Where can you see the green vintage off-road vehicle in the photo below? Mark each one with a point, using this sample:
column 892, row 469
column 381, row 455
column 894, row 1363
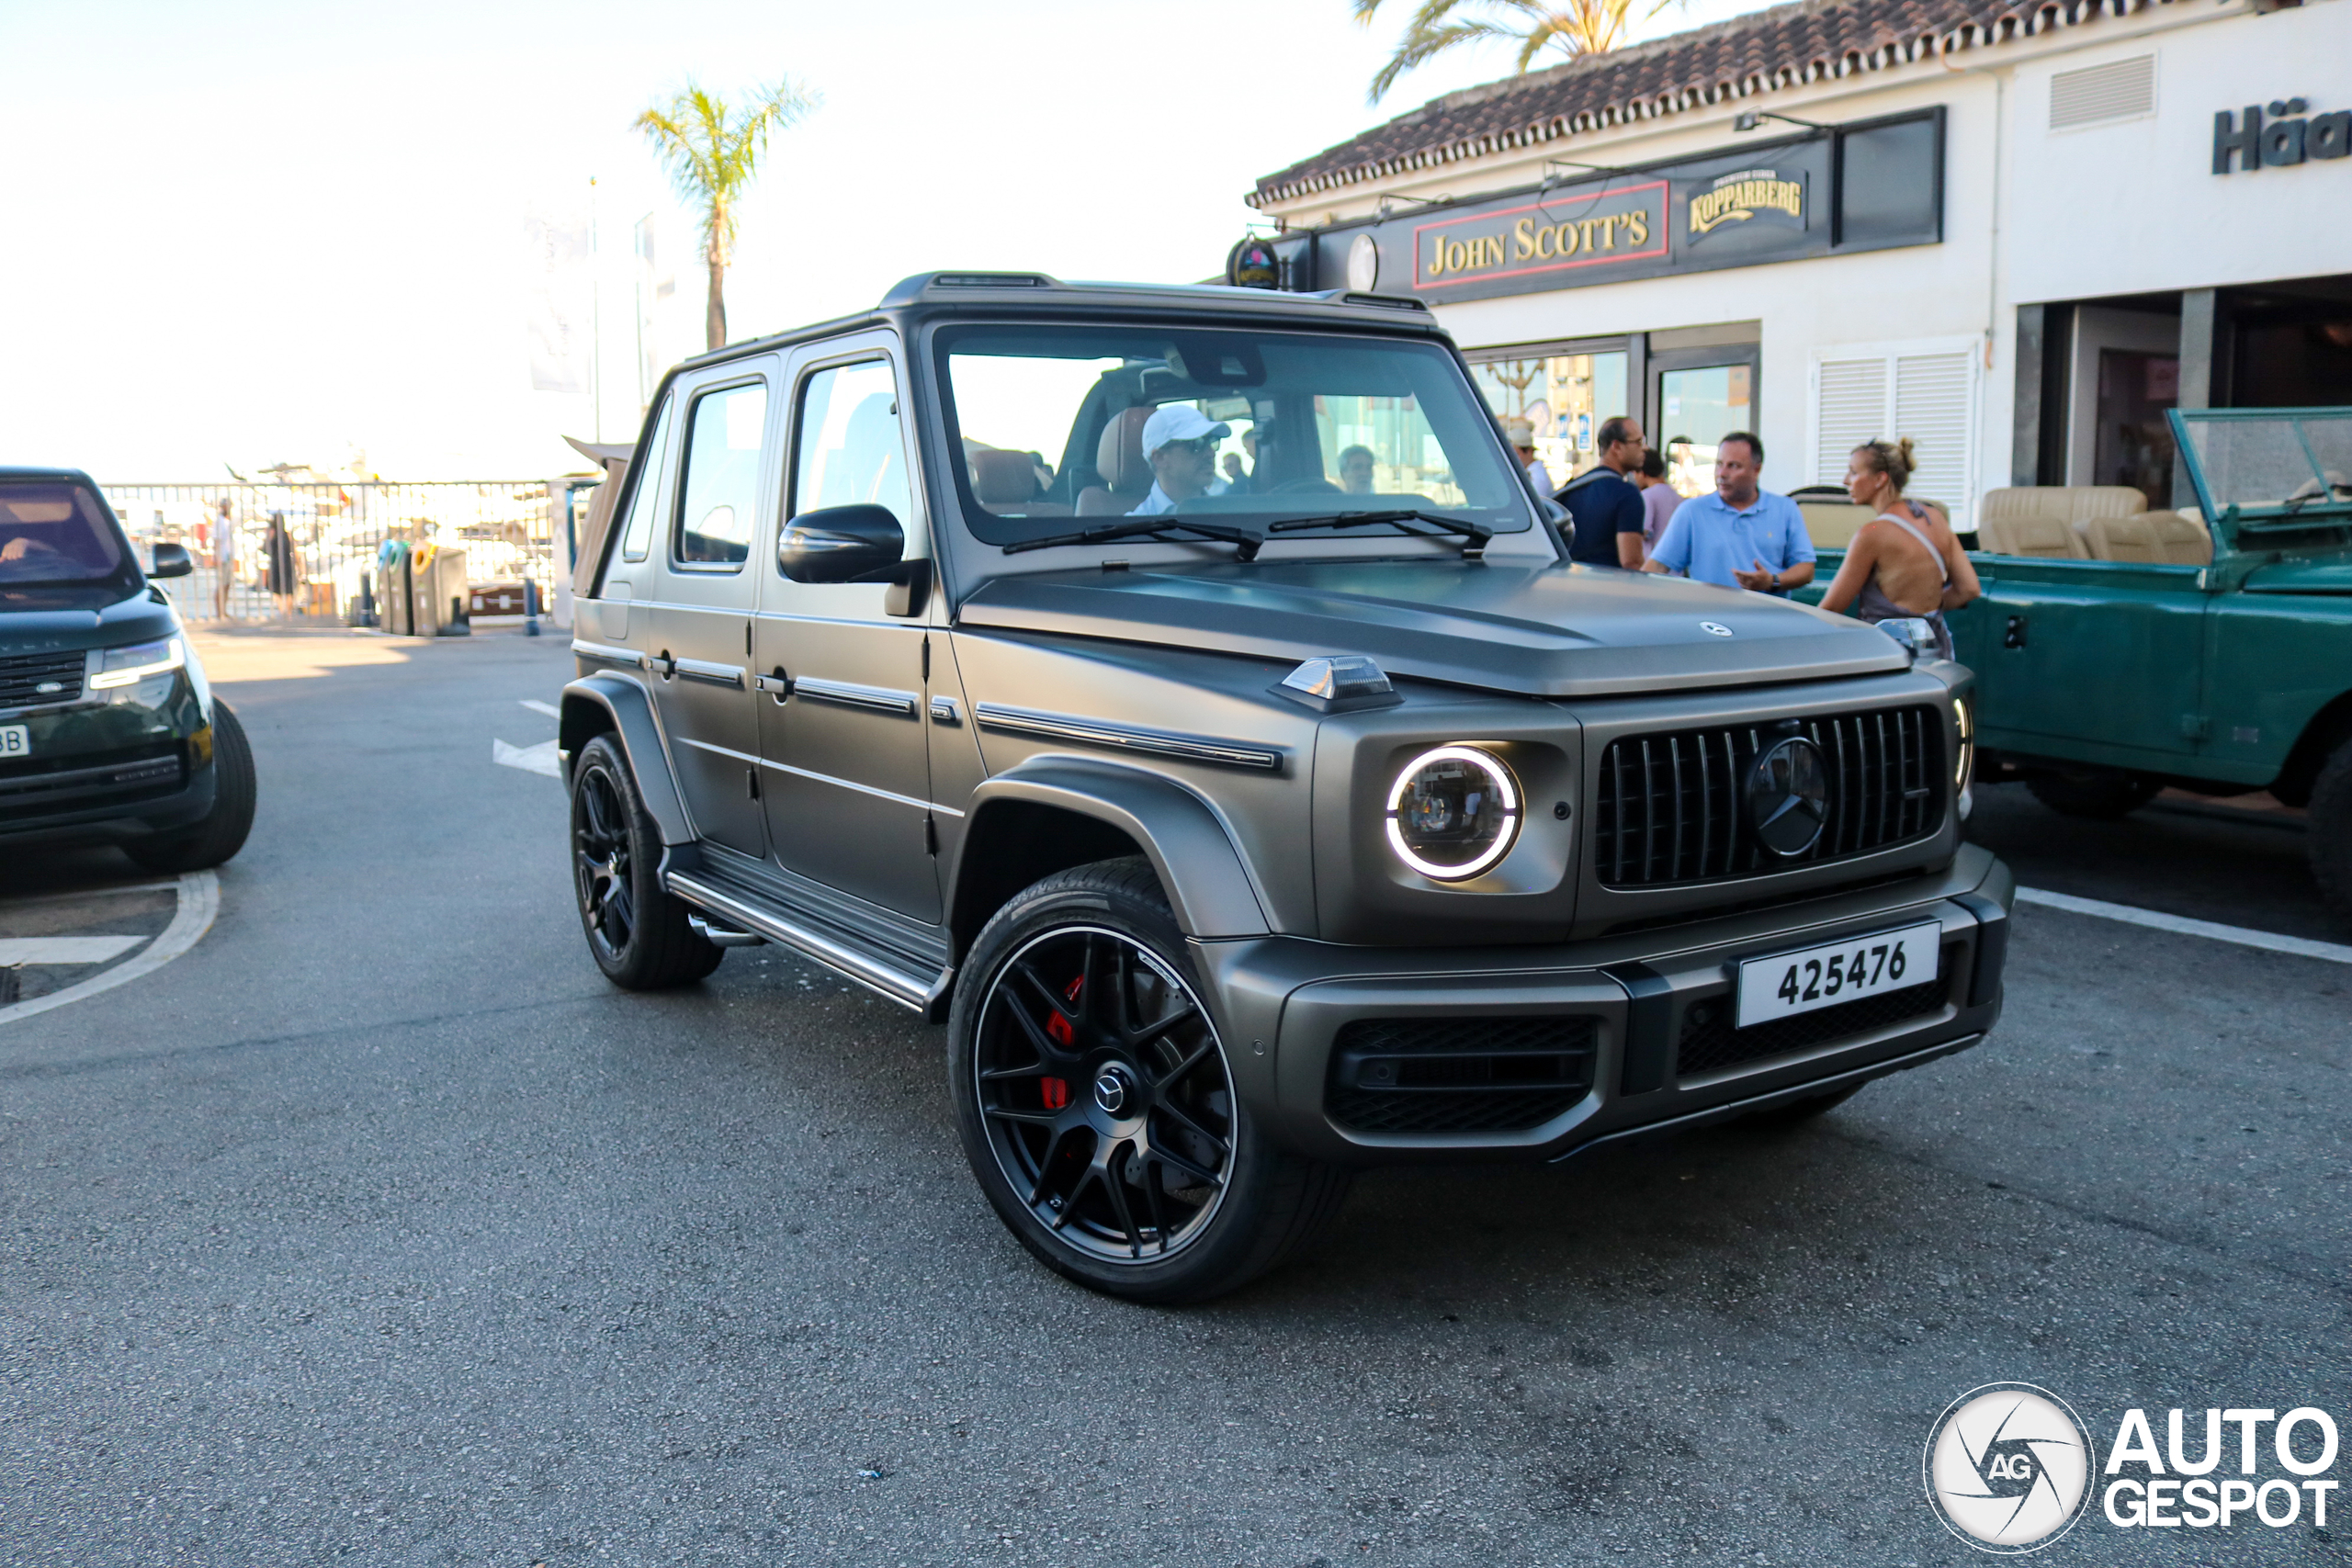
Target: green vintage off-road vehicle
column 1179, row 692
column 2118, row 652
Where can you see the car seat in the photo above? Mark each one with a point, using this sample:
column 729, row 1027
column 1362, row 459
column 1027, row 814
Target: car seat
column 1118, row 459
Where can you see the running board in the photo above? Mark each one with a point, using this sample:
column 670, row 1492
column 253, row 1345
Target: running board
column 923, row 994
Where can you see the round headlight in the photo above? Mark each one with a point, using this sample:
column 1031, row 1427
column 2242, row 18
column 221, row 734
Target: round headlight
column 1452, row 812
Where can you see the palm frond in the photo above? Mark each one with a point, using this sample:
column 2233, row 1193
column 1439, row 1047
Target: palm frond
column 1420, row 45
column 1572, row 27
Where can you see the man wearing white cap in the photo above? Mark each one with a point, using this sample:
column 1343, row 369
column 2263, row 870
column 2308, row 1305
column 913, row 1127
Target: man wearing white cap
column 1520, row 432
column 1180, row 443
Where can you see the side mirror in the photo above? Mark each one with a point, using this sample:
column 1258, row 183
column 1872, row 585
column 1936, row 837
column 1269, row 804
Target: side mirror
column 171, row 560
column 841, row 544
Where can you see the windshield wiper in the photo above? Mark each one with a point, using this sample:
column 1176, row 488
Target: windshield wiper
column 1246, row 543
column 1477, row 533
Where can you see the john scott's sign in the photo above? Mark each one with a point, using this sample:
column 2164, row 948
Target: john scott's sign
column 1545, row 235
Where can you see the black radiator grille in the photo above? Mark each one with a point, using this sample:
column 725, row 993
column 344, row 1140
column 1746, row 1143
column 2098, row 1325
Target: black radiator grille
column 21, row 679
column 1710, row 1043
column 1672, row 808
column 1458, row 1075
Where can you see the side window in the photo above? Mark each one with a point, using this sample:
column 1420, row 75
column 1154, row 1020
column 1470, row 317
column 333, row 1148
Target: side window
column 719, row 491
column 850, row 448
column 637, row 537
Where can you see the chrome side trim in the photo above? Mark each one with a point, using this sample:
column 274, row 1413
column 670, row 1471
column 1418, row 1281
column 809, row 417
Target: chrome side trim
column 1124, row 738
column 874, row 790
column 912, row 991
column 719, row 750
column 874, row 699
column 608, row 653
column 712, row 674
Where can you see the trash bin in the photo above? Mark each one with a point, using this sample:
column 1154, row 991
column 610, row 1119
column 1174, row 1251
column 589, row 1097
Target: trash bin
column 421, row 590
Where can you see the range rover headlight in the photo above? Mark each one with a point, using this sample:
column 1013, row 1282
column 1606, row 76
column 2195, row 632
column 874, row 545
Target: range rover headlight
column 1452, row 812
column 129, row 666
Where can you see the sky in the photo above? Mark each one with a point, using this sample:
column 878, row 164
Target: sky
column 250, row 233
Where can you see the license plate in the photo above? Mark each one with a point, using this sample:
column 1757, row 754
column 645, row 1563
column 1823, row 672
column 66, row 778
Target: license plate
column 1844, row 971
column 14, row 742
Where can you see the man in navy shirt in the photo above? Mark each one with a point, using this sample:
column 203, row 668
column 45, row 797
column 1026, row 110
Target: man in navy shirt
column 1606, row 505
column 1742, row 536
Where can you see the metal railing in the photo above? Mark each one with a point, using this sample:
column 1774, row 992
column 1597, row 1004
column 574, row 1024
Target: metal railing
column 335, row 531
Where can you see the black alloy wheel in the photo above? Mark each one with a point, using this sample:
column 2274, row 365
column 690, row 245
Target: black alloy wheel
column 2331, row 831
column 1098, row 1108
column 1105, row 1093
column 636, row 932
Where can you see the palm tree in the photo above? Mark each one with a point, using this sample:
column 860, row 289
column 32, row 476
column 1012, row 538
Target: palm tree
column 712, row 153
column 1573, row 26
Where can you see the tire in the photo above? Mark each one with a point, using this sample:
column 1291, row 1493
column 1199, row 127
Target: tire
column 223, row 832
column 1160, row 1188
column 2331, row 831
column 1796, row 1112
column 636, row 932
column 2099, row 796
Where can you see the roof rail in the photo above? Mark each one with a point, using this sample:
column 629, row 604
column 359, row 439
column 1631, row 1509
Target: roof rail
column 909, row 288
column 1387, row 301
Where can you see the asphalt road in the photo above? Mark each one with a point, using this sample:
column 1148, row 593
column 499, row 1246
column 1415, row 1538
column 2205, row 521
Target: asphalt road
column 378, row 1228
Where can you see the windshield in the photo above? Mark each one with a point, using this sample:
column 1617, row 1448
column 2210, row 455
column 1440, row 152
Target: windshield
column 52, row 531
column 1065, row 428
column 2292, row 468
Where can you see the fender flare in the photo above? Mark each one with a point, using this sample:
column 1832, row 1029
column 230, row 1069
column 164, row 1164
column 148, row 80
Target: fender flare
column 1209, row 886
column 626, row 709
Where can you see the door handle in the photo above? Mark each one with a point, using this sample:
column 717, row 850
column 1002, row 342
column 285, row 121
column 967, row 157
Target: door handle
column 778, row 685
column 661, row 664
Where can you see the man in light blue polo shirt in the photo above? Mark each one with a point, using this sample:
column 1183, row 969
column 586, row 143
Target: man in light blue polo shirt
column 1740, row 537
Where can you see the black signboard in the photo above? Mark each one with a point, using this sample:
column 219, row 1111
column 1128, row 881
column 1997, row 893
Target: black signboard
column 1866, row 186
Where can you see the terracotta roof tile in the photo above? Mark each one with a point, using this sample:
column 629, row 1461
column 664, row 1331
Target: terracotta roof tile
column 1783, row 47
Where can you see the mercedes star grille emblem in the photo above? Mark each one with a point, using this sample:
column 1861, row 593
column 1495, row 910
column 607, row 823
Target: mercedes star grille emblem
column 1788, row 796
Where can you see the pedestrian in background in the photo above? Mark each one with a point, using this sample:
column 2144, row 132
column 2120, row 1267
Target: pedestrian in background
column 1742, row 536
column 1658, row 499
column 1604, row 502
column 224, row 559
column 1904, row 562
column 1519, row 430
column 284, row 571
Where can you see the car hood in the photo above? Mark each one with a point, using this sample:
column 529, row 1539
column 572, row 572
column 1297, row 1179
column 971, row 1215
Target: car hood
column 1537, row 629
column 62, row 619
column 2322, row 575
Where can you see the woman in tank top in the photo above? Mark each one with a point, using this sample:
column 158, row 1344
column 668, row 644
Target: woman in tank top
column 1904, row 561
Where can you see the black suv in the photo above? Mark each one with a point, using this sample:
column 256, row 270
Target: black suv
column 107, row 731
column 1182, row 694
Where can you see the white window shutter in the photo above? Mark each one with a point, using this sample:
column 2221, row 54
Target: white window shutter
column 1849, row 408
column 1934, row 396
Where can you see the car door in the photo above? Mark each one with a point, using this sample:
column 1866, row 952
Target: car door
column 698, row 642
column 2094, row 661
column 847, row 785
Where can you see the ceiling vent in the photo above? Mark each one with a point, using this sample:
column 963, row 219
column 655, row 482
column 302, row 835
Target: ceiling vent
column 2101, row 94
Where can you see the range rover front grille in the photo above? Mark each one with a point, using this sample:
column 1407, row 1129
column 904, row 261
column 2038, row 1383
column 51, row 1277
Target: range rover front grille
column 1671, row 807
column 1458, row 1075
column 1710, row 1043
column 21, row 679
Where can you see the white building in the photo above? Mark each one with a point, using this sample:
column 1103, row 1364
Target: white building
column 2014, row 234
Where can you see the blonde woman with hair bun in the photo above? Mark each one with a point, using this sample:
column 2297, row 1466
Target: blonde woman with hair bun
column 1905, row 561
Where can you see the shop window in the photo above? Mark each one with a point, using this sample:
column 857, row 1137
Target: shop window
column 2134, row 443
column 1564, row 395
column 1890, row 192
column 1882, row 392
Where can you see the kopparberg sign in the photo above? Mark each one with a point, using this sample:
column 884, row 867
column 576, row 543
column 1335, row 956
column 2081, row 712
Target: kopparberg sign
column 2009, row 1468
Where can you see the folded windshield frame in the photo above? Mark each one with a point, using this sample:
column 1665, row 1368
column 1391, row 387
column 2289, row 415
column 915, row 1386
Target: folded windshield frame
column 1292, row 404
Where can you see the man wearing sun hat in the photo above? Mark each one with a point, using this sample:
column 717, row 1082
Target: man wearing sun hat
column 1519, row 430
column 1180, row 443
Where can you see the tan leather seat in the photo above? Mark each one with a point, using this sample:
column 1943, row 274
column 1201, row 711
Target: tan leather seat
column 2047, row 521
column 2158, row 538
column 1007, row 482
column 1832, row 524
column 1118, row 459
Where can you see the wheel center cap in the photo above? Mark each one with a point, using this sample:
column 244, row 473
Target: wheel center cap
column 1113, row 1091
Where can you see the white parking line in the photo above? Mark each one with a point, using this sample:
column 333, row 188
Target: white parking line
column 539, row 759
column 547, row 709
column 65, row 949
column 2302, row 947
column 200, row 894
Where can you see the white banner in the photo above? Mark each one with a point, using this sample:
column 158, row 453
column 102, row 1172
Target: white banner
column 560, row 301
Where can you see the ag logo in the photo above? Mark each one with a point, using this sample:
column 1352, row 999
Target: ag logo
column 2008, row 1468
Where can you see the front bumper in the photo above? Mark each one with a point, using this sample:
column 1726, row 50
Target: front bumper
column 1633, row 1029
column 137, row 764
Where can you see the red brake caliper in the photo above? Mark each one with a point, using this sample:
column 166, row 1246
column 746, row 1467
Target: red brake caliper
column 1058, row 1029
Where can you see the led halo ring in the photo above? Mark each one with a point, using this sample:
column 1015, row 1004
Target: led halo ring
column 1505, row 787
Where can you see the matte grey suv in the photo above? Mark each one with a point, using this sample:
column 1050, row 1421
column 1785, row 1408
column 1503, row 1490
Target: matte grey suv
column 1180, row 693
